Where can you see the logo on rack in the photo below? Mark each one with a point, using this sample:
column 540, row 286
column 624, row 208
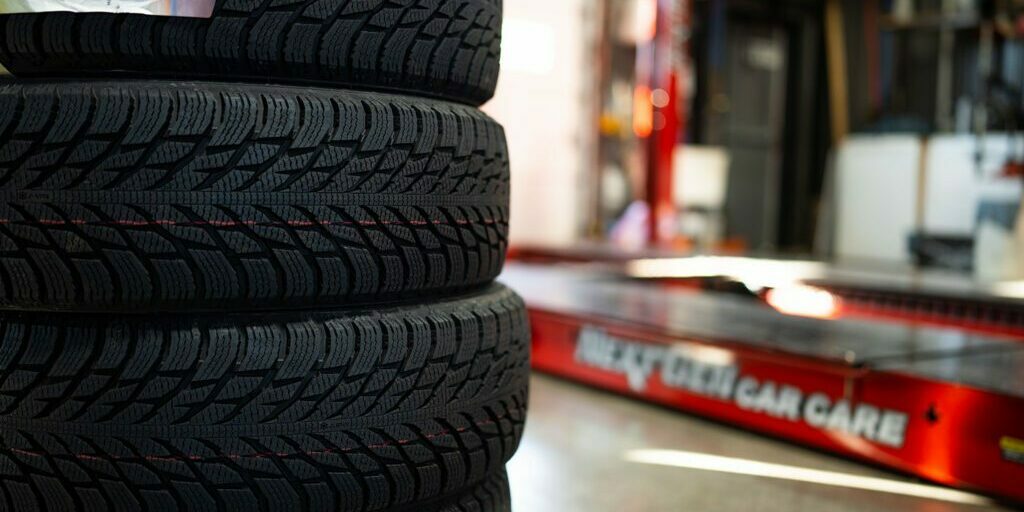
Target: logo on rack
column 712, row 373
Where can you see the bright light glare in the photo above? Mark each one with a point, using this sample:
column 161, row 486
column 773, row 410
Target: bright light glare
column 712, row 356
column 646, row 20
column 660, row 98
column 528, row 47
column 1009, row 289
column 756, row 274
column 643, row 113
column 803, row 301
column 705, row 462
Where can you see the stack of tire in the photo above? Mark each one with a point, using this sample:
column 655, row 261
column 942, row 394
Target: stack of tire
column 247, row 260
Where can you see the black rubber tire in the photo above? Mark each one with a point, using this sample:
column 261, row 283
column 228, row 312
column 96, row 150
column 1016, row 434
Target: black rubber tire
column 150, row 195
column 341, row 411
column 494, row 495
column 442, row 48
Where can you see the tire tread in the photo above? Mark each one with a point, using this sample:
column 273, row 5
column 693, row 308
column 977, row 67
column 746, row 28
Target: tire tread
column 155, row 195
column 348, row 411
column 442, row 48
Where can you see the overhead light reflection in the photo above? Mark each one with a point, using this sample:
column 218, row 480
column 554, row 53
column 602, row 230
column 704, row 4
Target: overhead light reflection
column 736, row 466
column 799, row 300
column 755, row 274
column 705, row 354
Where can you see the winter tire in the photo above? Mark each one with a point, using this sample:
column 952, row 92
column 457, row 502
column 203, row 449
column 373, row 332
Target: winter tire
column 344, row 410
column 151, row 195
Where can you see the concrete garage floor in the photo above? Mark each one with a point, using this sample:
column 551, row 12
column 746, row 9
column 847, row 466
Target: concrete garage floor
column 574, row 458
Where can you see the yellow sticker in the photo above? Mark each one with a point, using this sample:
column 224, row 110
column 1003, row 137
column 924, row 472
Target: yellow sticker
column 1013, row 449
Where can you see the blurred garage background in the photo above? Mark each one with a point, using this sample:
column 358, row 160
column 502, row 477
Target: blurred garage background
column 820, row 195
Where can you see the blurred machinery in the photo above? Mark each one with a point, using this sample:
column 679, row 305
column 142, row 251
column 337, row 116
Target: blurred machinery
column 784, row 93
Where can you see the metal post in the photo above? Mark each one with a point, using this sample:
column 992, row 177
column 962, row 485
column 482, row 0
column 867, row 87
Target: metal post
column 667, row 122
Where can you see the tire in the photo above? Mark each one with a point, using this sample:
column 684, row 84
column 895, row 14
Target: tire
column 150, row 195
column 494, row 495
column 342, row 410
column 442, row 48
